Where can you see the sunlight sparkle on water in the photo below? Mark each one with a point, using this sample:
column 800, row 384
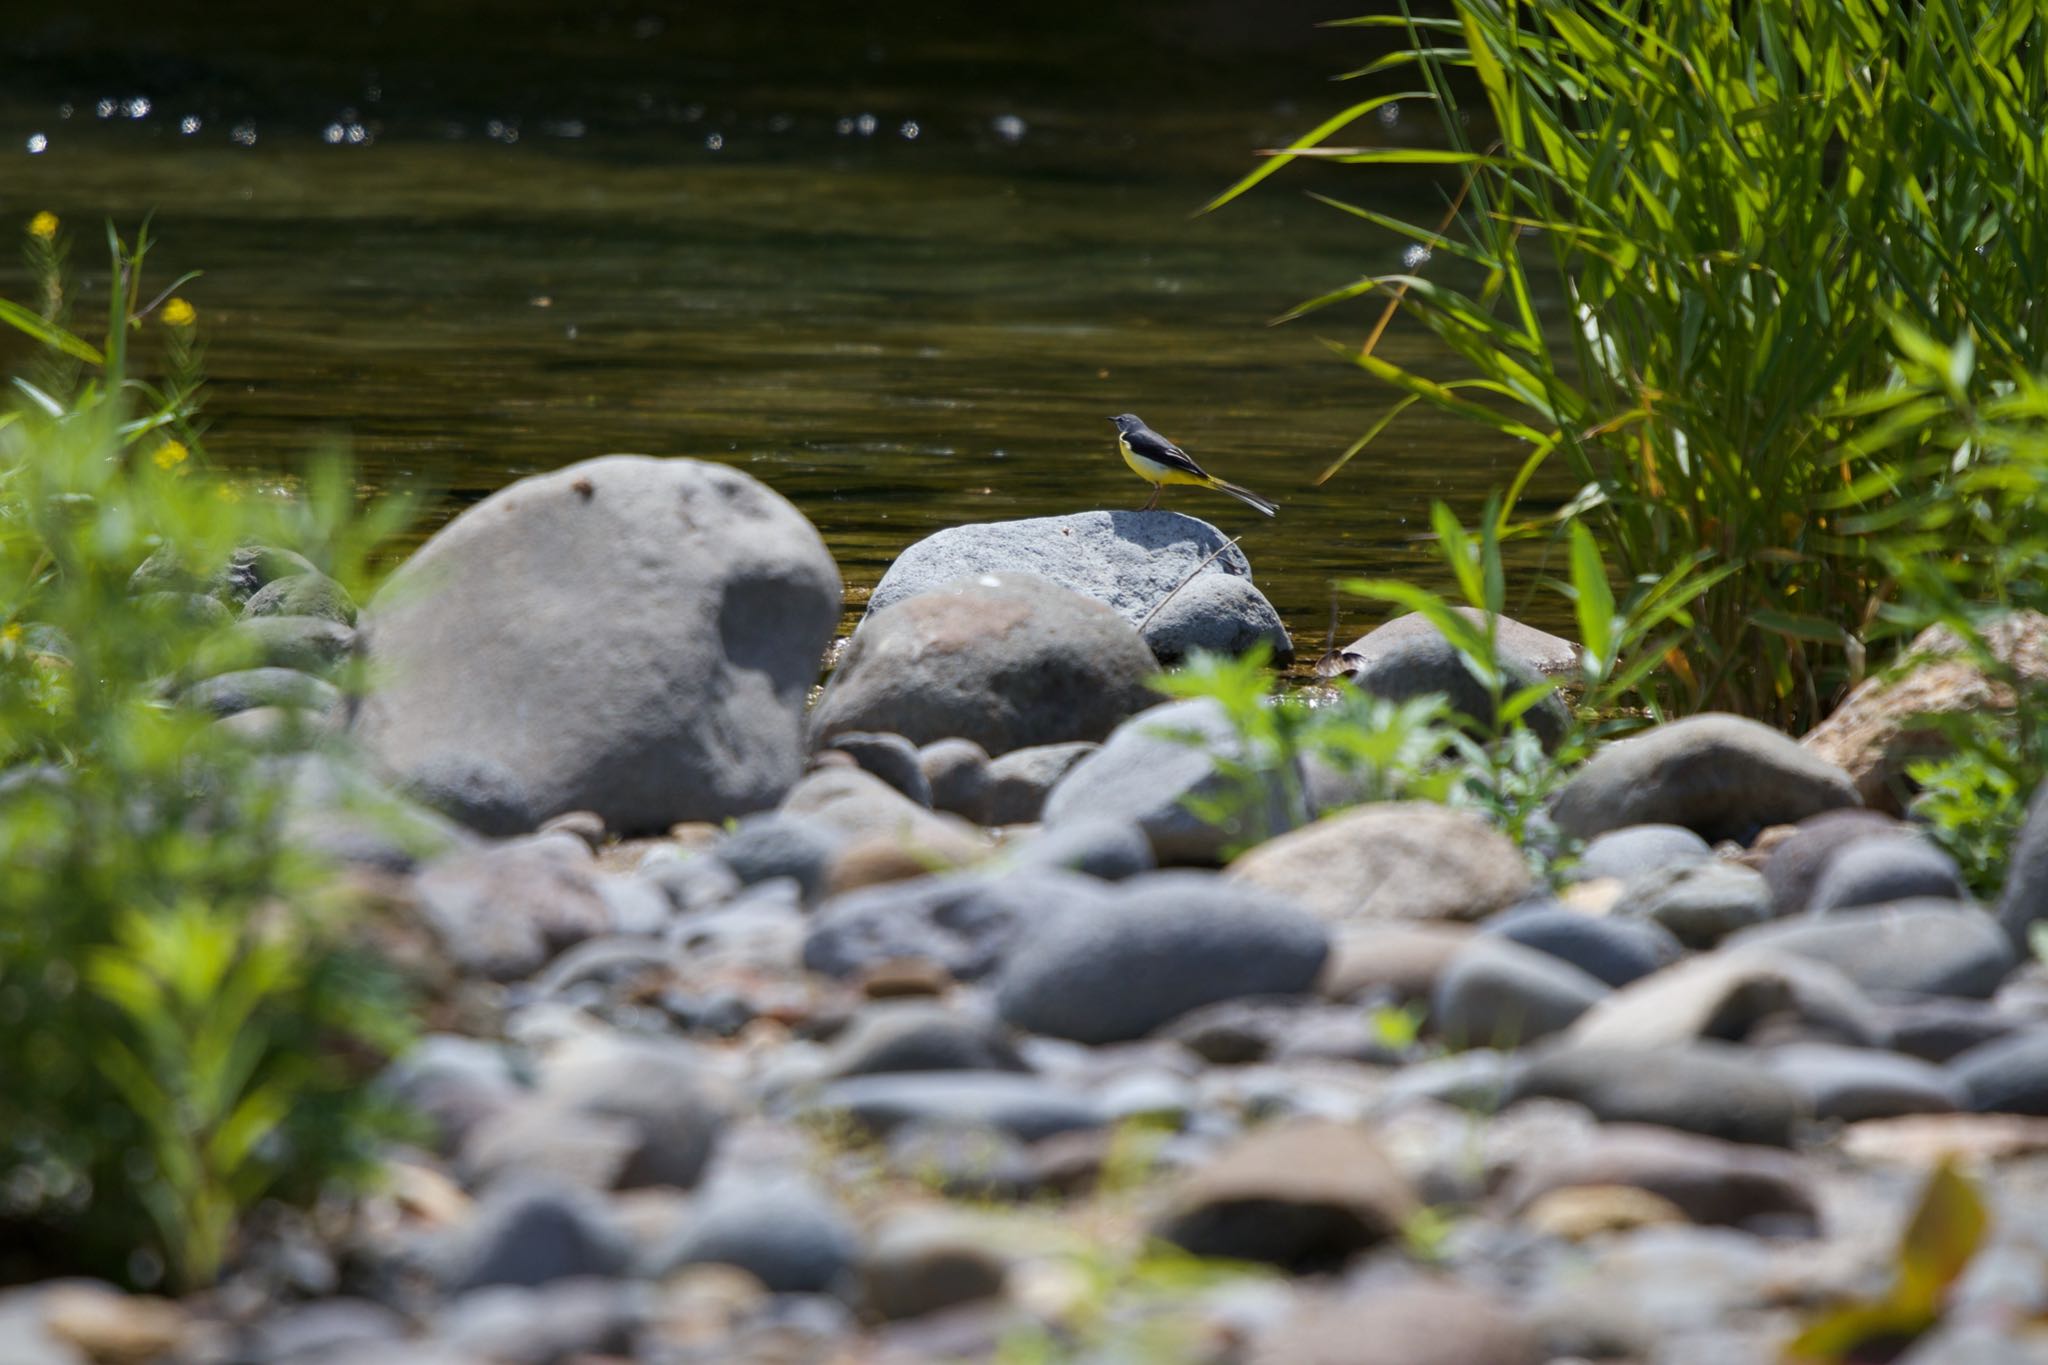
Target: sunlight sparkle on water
column 189, row 124
column 37, row 143
column 1415, row 257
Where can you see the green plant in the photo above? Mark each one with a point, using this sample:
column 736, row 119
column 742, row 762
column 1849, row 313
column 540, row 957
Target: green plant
column 1726, row 201
column 1940, row 1240
column 188, row 1017
column 1965, row 543
column 1380, row 750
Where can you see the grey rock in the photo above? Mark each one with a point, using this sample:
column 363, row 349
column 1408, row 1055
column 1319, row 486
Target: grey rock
column 1919, row 947
column 188, row 609
column 1881, row 870
column 1708, row 1088
column 252, row 568
column 1392, row 860
column 965, row 922
column 1152, row 767
column 791, row 1236
column 1020, row 780
column 1795, row 864
column 310, row 644
column 312, row 1333
column 1261, row 1028
column 763, row 847
column 2024, row 900
column 1027, row 1107
column 1700, row 903
column 1610, row 949
column 2006, row 1076
column 1937, row 1029
column 1217, row 614
column 543, row 1324
column 920, row 1036
column 1499, row 993
column 1633, row 850
column 1478, row 1080
column 1404, row 1322
column 661, row 1089
column 1853, row 1083
column 335, row 809
column 452, row 1082
column 1007, row 661
column 1165, row 944
column 630, row 636
column 1731, row 995
column 1129, row 561
column 1710, row 1181
column 692, row 882
column 956, row 771
column 1721, row 776
column 245, row 689
column 503, row 911
column 302, row 594
column 529, row 1233
column 1105, row 847
column 1422, row 662
column 272, row 729
column 475, row 790
column 892, row 758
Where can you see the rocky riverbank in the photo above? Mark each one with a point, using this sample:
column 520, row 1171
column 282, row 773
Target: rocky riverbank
column 923, row 1020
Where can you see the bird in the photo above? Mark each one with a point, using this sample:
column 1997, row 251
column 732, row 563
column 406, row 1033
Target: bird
column 1159, row 462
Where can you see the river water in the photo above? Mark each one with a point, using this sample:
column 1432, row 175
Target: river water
column 898, row 261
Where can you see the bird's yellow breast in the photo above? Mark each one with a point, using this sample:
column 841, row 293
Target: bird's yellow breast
column 1151, row 471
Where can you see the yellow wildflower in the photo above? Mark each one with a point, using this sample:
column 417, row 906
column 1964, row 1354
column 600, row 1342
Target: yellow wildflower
column 178, row 313
column 172, row 455
column 43, row 225
column 11, row 636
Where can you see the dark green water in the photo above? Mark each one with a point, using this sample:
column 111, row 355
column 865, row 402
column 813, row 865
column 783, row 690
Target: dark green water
column 900, row 262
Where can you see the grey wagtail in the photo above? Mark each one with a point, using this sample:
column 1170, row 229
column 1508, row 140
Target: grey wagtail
column 1159, row 462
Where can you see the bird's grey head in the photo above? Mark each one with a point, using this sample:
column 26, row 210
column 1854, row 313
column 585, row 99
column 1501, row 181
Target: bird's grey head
column 1126, row 421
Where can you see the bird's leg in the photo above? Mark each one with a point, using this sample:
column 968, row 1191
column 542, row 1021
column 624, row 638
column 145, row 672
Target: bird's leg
column 1152, row 501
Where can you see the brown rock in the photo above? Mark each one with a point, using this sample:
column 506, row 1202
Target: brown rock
column 1401, row 960
column 1929, row 1139
column 1307, row 1196
column 1726, row 995
column 904, row 976
column 864, row 808
column 1425, row 1322
column 1579, row 1212
column 1702, row 1179
column 1876, row 732
column 878, row 860
column 112, row 1328
column 1392, row 860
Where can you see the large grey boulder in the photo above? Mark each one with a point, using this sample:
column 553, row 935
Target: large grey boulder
column 1130, row 561
column 1006, row 660
column 2024, row 899
column 629, row 636
column 1723, row 777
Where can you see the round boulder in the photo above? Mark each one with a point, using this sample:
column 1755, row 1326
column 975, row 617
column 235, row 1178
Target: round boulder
column 1129, row 561
column 1723, row 777
column 629, row 636
column 1165, row 944
column 1392, row 860
column 1006, row 660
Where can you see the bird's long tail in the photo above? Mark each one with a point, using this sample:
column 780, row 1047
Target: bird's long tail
column 1244, row 495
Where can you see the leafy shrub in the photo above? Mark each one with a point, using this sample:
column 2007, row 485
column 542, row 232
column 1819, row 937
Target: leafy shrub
column 187, row 1016
column 1733, row 199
